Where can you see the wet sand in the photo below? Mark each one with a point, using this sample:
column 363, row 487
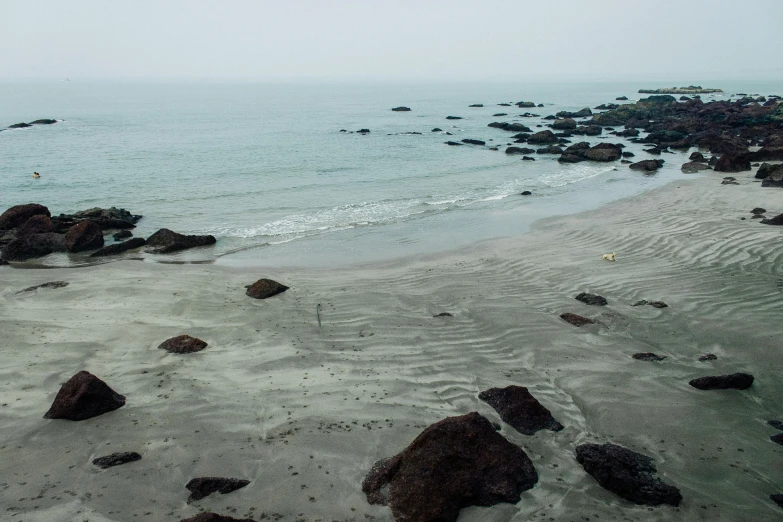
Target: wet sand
column 304, row 411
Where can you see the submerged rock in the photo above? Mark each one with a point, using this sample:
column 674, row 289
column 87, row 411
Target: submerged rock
column 648, row 356
column 443, row 314
column 576, row 320
column 474, row 142
column 84, row 396
column 455, row 463
column 626, row 473
column 116, row 459
column 736, row 381
column 183, row 344
column 264, row 288
column 164, row 241
column 205, row 486
column 520, row 409
column 591, row 299
column 655, row 304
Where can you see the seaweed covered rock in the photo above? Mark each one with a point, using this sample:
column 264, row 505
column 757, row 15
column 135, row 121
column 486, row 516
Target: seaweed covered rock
column 82, row 397
column 165, row 241
column 626, row 473
column 205, row 486
column 264, row 288
column 455, row 463
column 520, row 409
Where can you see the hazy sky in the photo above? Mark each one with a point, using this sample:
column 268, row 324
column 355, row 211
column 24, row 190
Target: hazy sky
column 405, row 39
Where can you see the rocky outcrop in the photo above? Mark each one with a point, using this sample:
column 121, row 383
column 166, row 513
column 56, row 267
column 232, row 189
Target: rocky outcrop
column 183, row 344
column 735, row 381
column 576, row 320
column 116, row 459
column 165, row 241
column 83, row 236
column 119, row 248
column 455, row 463
column 82, row 397
column 542, row 138
column 265, row 288
column 18, row 214
column 627, row 474
column 518, row 408
column 591, row 299
column 205, row 486
column 32, row 246
column 646, row 165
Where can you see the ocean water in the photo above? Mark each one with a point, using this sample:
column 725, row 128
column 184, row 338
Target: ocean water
column 265, row 168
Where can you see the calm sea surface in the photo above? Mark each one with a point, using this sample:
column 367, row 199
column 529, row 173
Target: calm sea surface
column 265, row 168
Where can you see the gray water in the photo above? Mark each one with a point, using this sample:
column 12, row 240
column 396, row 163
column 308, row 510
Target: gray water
column 265, row 168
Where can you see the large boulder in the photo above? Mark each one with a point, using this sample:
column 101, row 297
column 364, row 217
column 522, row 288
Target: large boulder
column 264, row 288
column 165, row 241
column 543, row 138
column 520, row 409
column 205, row 486
column 626, row 473
column 732, row 163
column 646, row 165
column 32, row 246
column 82, row 397
column 16, row 215
column 38, row 224
column 455, row 463
column 735, row 381
column 83, row 236
column 119, row 248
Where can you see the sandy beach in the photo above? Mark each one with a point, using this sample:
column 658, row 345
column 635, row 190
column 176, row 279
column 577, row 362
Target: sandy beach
column 304, row 411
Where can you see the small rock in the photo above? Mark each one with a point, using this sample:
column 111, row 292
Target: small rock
column 401, row 109
column 264, row 288
column 453, row 117
column 165, row 241
column 443, row 314
column 626, row 473
column 205, row 486
column 214, row 517
column 708, row 357
column 646, row 165
column 758, row 210
column 656, row 304
column 520, row 409
column 476, row 105
column 122, row 234
column 591, row 299
column 648, row 356
column 437, row 129
column 526, row 193
column 474, row 142
column 183, row 344
column 116, row 459
column 576, row 320
column 736, row 381
column 84, row 396
column 528, row 158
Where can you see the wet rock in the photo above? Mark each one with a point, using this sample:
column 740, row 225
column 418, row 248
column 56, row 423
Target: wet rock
column 443, row 314
column 38, row 224
column 164, row 241
column 648, row 356
column 778, row 425
column 205, row 486
column 646, row 165
column 499, row 114
column 693, row 166
column 83, row 236
column 551, row 149
column 401, row 109
column 183, row 344
column 52, row 284
column 363, row 131
column 697, row 156
column 18, row 214
column 777, row 439
column 758, row 210
column 732, row 163
column 511, row 127
column 520, row 409
column 119, row 248
column 44, row 121
column 542, row 138
column 519, row 150
column 656, row 304
column 564, row 124
column 735, row 381
column 264, row 288
column 453, row 117
column 476, row 105
column 729, row 182
column 21, row 125
column 106, row 218
column 525, row 193
column 82, row 397
column 122, row 234
column 116, row 459
column 621, row 98
column 777, row 220
column 607, row 107
column 455, row 463
column 528, row 158
column 598, row 153
column 576, row 320
column 453, row 143
column 32, row 246
column 525, row 104
column 591, row 299
column 708, row 357
column 777, row 498
column 437, row 129
column 626, row 473
column 214, row 517
column 473, row 142
column 628, row 133
column 582, row 113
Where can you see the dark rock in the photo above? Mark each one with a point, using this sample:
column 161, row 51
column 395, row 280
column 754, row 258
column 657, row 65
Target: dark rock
column 363, row 131
column 183, row 344
column 474, row 142
column 44, row 121
column 656, row 304
column 732, row 163
column 607, row 107
column 576, row 320
column 453, row 143
column 525, row 104
column 648, row 356
column 528, row 158
column 436, row 129
column 628, row 154
column 520, row 409
column 205, row 486
column 729, row 182
column 777, row 220
column 736, row 381
column 628, row 133
column 504, row 105
column 570, row 158
column 599, row 153
column 542, row 138
column 591, row 299
column 106, row 218
column 526, row 193
column 164, row 241
column 519, row 150
column 766, row 170
column 455, row 463
column 564, row 124
column 758, row 210
column 214, row 517
column 708, row 357
column 453, row 117
column 38, row 224
column 576, row 147
column 626, row 473
column 712, row 161
column 116, row 459
column 264, row 288
column 778, row 425
column 122, row 234
column 777, row 439
column 83, row 236
column 693, row 166
column 476, row 105
column 697, row 156
column 777, row 498
column 499, row 114
column 119, row 248
column 583, row 113
column 511, row 127
column 34, row 245
column 19, row 126
column 84, row 396
column 621, row 98
column 51, row 284
column 18, row 214
column 551, row 149
column 401, row 109
column 646, row 165
column 443, row 314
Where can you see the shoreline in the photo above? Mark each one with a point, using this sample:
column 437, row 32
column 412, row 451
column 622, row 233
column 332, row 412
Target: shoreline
column 303, row 412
